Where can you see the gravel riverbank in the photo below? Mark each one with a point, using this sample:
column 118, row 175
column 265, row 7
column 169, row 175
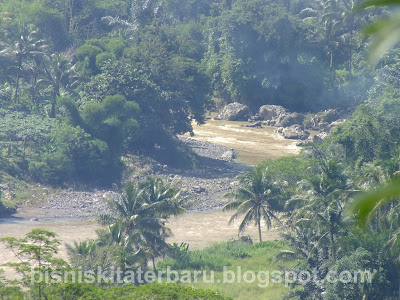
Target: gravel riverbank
column 205, row 186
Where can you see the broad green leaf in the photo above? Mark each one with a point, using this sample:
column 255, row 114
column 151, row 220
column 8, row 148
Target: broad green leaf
column 371, row 3
column 366, row 205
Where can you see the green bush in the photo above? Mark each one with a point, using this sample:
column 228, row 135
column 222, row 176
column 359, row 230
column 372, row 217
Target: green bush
column 213, row 257
column 364, row 136
column 102, row 57
column 4, row 211
column 75, row 155
column 11, row 292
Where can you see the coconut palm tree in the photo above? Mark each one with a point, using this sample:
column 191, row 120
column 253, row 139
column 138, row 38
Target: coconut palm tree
column 335, row 23
column 165, row 198
column 258, row 199
column 81, row 249
column 321, row 201
column 141, row 213
column 26, row 47
column 59, row 73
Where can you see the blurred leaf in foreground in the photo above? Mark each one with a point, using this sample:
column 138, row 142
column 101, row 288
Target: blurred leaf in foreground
column 385, row 32
column 366, row 205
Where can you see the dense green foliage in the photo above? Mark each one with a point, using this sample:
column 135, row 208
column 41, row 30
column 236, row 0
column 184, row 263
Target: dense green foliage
column 129, row 76
column 86, row 82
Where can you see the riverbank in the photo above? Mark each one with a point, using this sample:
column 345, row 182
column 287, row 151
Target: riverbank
column 224, row 149
column 71, row 212
column 205, row 186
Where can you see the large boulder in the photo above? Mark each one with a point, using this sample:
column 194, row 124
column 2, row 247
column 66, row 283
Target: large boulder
column 234, row 112
column 295, row 133
column 229, row 155
column 271, row 112
column 286, row 120
column 322, row 120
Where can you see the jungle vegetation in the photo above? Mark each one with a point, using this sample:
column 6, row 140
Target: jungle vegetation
column 85, row 82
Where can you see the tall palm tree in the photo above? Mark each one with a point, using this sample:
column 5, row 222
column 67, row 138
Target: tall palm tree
column 34, row 74
column 27, row 46
column 335, row 23
column 258, row 199
column 322, row 199
column 141, row 214
column 59, row 73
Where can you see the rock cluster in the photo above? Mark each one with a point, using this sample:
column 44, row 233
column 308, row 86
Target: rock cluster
column 294, row 132
column 234, row 112
column 322, row 120
column 276, row 115
column 291, row 125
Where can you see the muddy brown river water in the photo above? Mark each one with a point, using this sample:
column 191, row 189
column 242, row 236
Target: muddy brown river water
column 252, row 145
column 198, row 229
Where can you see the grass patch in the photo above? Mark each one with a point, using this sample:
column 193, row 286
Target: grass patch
column 235, row 254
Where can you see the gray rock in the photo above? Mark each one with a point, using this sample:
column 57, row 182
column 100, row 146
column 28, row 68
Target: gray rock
column 270, row 112
column 321, row 120
column 279, row 130
column 256, row 124
column 229, row 155
column 290, row 119
column 198, row 189
column 330, row 115
column 295, row 133
column 302, row 143
column 319, row 137
column 255, row 118
column 234, row 112
column 269, row 123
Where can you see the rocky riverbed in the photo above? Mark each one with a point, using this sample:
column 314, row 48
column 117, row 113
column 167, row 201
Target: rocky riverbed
column 205, row 186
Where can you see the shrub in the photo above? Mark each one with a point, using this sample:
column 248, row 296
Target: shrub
column 75, row 155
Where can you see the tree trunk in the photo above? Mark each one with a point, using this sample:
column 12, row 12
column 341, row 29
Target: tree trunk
column 33, row 90
column 154, row 263
column 40, row 270
column 17, row 80
column 9, row 148
column 332, row 245
column 259, row 228
column 351, row 49
column 53, row 106
column 56, row 93
column 378, row 229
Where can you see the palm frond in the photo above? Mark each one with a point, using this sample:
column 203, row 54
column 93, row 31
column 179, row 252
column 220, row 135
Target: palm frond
column 246, row 220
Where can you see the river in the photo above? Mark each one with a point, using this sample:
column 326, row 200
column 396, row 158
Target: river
column 198, row 229
column 252, row 145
